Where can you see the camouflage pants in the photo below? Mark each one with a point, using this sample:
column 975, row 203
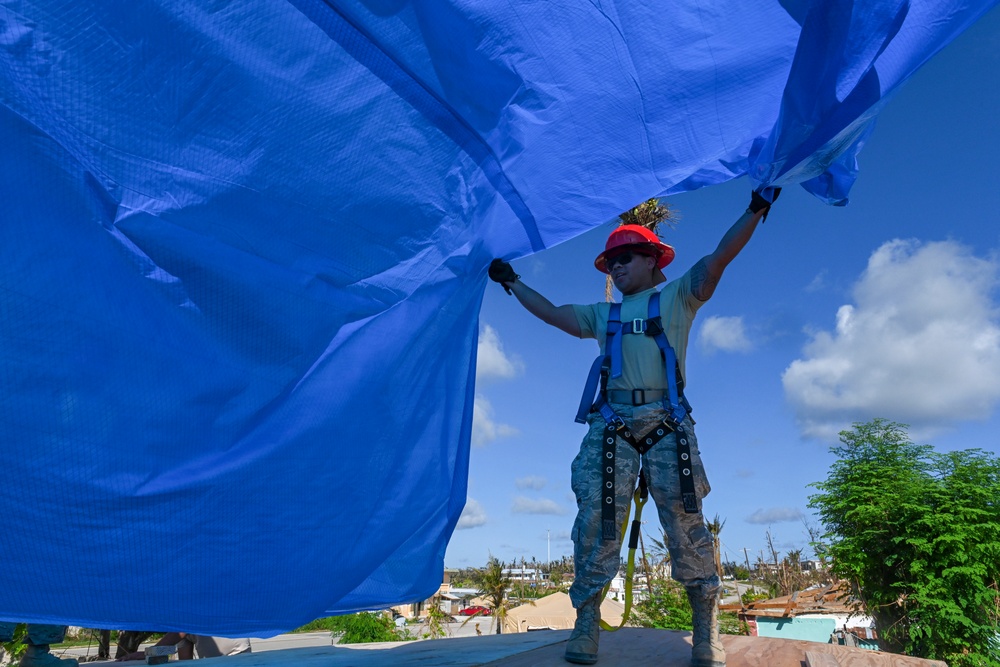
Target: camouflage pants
column 38, row 635
column 597, row 561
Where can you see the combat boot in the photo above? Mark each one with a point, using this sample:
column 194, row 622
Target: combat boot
column 582, row 645
column 39, row 656
column 707, row 650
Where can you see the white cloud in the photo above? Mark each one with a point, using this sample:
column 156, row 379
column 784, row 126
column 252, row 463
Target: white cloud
column 775, row 515
column 473, row 515
column 536, row 266
column 523, row 505
column 491, row 360
column 920, row 345
column 484, row 428
column 817, row 283
column 724, row 333
column 531, row 482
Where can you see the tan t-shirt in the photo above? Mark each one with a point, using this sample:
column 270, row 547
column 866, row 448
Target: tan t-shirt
column 642, row 365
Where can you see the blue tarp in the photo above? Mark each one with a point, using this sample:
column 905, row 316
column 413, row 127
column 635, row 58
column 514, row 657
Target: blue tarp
column 244, row 244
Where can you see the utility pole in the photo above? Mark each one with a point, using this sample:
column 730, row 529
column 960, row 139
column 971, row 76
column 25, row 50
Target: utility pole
column 548, row 548
column 749, row 577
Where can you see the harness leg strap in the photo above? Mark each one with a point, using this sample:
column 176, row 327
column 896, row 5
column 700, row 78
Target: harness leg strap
column 608, row 528
column 613, row 431
column 685, row 471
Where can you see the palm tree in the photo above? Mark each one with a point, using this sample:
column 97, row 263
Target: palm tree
column 659, row 552
column 493, row 587
column 715, row 527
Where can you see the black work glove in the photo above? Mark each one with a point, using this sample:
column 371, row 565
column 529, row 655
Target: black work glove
column 757, row 202
column 502, row 272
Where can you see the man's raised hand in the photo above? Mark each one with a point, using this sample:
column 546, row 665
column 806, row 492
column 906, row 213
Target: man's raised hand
column 502, row 272
column 759, row 200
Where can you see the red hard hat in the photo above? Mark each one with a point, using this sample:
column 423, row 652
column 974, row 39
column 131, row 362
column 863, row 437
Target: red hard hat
column 641, row 240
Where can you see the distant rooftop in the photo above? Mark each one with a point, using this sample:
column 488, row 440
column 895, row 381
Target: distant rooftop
column 829, row 599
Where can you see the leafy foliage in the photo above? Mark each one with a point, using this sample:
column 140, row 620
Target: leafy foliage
column 735, row 570
column 360, row 628
column 917, row 533
column 14, row 649
column 465, row 577
column 493, row 586
column 669, row 609
column 563, row 566
column 436, row 620
column 753, row 596
column 730, row 624
column 657, row 559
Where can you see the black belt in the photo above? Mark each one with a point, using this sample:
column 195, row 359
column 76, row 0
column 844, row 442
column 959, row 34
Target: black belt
column 636, row 396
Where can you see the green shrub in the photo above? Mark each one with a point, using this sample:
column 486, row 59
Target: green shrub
column 360, row 628
column 668, row 608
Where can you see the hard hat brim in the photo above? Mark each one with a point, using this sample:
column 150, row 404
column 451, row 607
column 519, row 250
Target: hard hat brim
column 664, row 255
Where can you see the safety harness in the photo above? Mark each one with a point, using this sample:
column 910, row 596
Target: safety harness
column 609, row 365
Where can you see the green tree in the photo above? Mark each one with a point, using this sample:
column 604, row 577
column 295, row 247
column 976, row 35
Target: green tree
column 436, row 620
column 668, row 608
column 563, row 566
column 360, row 628
column 715, row 527
column 735, row 570
column 465, row 578
column 750, row 595
column 917, row 533
column 659, row 555
column 368, row 626
column 494, row 586
column 15, row 648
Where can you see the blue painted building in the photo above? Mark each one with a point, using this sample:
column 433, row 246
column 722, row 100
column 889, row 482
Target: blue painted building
column 823, row 614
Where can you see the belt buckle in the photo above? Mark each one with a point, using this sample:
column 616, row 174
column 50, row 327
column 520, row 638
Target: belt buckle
column 640, row 398
column 638, row 325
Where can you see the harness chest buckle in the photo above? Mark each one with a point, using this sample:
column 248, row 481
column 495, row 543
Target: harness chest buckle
column 638, row 325
column 653, row 326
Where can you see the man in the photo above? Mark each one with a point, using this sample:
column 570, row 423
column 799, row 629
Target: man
column 39, row 637
column 641, row 421
column 205, row 645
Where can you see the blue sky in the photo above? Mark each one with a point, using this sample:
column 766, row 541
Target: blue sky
column 886, row 307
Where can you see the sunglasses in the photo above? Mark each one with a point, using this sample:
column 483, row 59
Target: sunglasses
column 622, row 258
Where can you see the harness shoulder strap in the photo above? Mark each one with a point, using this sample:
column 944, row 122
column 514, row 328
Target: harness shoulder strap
column 675, row 383
column 603, row 365
column 678, row 408
column 613, row 339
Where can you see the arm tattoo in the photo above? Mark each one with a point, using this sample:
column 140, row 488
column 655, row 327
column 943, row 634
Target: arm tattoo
column 703, row 282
